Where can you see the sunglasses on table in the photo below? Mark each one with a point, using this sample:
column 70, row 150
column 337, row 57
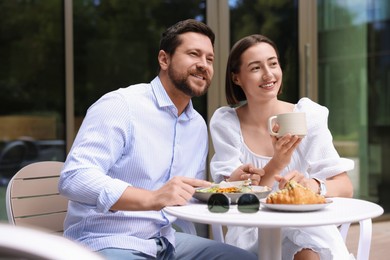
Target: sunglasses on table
column 246, row 203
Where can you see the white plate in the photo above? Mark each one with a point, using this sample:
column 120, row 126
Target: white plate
column 294, row 207
column 259, row 191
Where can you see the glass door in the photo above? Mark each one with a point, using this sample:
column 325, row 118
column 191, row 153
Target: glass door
column 353, row 52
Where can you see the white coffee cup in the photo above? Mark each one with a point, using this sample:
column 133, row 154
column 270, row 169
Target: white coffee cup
column 289, row 123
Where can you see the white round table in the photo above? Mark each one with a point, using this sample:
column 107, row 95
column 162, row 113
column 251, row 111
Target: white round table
column 270, row 222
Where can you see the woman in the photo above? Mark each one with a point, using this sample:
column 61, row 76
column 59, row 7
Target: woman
column 244, row 148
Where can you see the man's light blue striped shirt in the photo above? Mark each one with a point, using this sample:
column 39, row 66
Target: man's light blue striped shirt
column 131, row 136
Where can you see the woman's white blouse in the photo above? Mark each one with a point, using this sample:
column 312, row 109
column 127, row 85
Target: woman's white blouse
column 315, row 156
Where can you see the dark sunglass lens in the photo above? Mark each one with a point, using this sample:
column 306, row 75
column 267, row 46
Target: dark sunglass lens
column 248, row 203
column 218, row 203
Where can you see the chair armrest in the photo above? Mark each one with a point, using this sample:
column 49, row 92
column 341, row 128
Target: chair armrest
column 364, row 239
column 217, row 233
column 343, row 228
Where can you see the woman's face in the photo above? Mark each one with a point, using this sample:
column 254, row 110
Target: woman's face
column 260, row 73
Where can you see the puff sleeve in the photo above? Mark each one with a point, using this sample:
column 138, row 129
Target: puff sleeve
column 317, row 147
column 226, row 138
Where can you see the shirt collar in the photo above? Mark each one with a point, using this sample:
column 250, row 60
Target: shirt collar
column 163, row 100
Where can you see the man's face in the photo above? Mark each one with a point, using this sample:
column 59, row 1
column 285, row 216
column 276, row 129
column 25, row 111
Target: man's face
column 191, row 67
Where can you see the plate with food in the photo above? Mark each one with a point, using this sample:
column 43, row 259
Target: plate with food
column 232, row 190
column 296, row 207
column 295, row 197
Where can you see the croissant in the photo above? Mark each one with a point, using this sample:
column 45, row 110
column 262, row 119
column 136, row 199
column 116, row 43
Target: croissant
column 295, row 193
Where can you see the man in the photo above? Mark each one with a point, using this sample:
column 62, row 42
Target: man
column 140, row 149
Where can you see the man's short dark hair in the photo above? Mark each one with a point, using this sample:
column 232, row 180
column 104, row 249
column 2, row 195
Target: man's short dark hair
column 170, row 38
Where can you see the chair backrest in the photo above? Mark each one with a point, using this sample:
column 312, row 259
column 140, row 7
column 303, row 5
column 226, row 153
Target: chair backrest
column 33, row 199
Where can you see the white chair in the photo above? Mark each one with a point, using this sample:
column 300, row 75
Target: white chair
column 365, row 235
column 33, row 199
column 364, row 245
column 26, row 243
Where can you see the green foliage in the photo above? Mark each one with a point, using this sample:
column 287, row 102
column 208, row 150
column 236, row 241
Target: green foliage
column 32, row 55
column 115, row 45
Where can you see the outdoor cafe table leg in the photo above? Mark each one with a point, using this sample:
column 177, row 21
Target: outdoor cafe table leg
column 270, row 243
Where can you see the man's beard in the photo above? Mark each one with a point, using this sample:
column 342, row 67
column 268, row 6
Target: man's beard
column 181, row 83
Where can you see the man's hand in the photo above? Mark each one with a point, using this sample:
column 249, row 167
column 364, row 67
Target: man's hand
column 176, row 191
